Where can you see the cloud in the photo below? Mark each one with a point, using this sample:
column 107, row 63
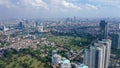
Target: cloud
column 7, row 3
column 90, row 6
column 65, row 5
column 24, row 4
column 104, row 3
column 69, row 5
column 62, row 4
column 57, row 8
column 32, row 3
column 39, row 3
column 51, row 4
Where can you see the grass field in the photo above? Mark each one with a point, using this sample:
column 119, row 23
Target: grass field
column 74, row 43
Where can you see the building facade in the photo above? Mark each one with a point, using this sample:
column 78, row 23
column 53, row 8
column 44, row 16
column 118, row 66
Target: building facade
column 103, row 30
column 98, row 55
column 116, row 40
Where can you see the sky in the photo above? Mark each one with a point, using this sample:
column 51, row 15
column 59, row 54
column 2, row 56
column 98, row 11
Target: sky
column 59, row 8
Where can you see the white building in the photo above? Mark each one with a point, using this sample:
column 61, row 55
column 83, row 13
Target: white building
column 82, row 66
column 65, row 63
column 98, row 56
column 56, row 59
column 40, row 28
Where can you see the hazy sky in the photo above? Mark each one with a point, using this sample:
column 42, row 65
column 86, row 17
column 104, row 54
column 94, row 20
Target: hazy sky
column 59, row 8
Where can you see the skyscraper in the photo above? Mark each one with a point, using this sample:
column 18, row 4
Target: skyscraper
column 107, row 43
column 103, row 30
column 94, row 57
column 5, row 28
column 98, row 55
column 41, row 28
column 36, row 24
column 20, row 25
column 116, row 40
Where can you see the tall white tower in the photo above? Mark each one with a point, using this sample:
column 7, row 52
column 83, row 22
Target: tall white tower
column 98, row 55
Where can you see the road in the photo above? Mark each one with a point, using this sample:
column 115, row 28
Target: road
column 81, row 51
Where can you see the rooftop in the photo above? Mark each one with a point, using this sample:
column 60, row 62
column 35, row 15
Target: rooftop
column 82, row 66
column 64, row 60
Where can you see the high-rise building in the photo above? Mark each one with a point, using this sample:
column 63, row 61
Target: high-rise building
column 36, row 24
column 103, row 30
column 107, row 43
column 5, row 28
column 40, row 28
column 94, row 57
column 116, row 40
column 98, row 56
column 65, row 63
column 20, row 25
column 118, row 26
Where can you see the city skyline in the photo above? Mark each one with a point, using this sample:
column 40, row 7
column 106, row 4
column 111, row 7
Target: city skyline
column 59, row 8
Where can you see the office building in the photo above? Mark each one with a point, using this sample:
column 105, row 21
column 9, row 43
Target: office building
column 103, row 30
column 116, row 40
column 107, row 43
column 98, row 55
column 36, row 24
column 40, row 28
column 5, row 28
column 93, row 57
column 20, row 25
